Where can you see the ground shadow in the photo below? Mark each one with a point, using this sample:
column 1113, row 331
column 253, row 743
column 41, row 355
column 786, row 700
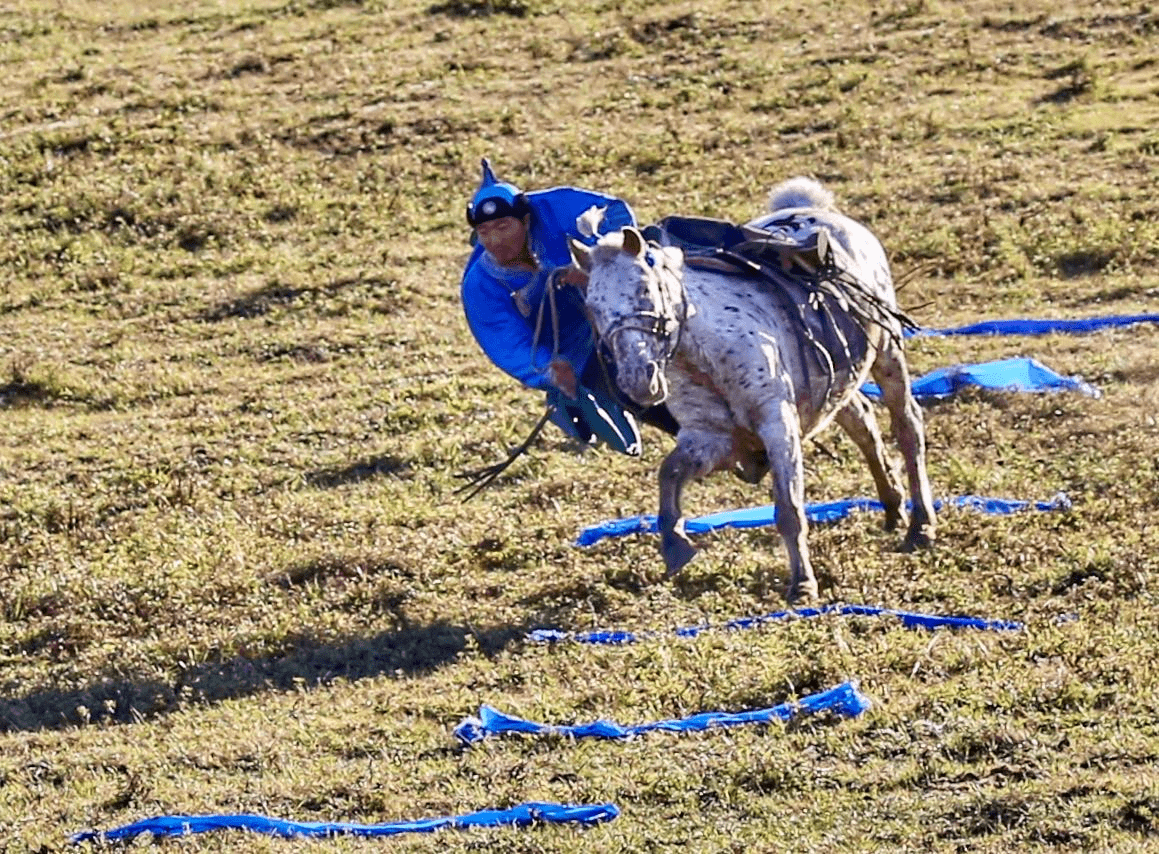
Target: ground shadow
column 480, row 8
column 275, row 294
column 330, row 478
column 407, row 652
column 254, row 304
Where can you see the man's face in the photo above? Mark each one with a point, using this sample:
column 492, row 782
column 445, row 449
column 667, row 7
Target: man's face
column 505, row 238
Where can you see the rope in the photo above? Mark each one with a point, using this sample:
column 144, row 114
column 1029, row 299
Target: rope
column 479, row 479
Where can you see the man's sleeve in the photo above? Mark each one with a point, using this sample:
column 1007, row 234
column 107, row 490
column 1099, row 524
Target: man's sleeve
column 502, row 332
column 558, row 209
column 618, row 215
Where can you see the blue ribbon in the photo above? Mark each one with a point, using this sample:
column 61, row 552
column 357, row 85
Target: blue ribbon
column 845, row 700
column 821, row 513
column 518, row 816
column 909, row 619
column 1023, row 326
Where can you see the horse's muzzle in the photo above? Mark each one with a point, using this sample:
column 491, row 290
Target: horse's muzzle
column 646, row 384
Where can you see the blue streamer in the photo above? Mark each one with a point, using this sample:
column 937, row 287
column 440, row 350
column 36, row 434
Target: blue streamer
column 1019, row 374
column 1044, row 327
column 845, row 700
column 518, row 816
column 821, row 513
column 909, row 619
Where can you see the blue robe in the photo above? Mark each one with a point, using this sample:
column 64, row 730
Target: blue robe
column 508, row 337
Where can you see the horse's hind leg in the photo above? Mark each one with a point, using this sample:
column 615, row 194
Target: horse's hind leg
column 696, row 454
column 781, row 434
column 892, row 375
column 856, row 418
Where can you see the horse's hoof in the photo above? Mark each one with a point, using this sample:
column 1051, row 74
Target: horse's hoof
column 677, row 552
column 751, row 471
column 892, row 522
column 916, row 540
column 801, row 591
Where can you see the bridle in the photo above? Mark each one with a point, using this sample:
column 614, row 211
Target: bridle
column 661, row 323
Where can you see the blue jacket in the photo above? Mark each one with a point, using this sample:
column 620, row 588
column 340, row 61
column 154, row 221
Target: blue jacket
column 506, row 336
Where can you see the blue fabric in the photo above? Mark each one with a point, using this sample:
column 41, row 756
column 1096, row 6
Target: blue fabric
column 1044, row 327
column 519, row 816
column 506, row 336
column 504, row 196
column 602, row 414
column 909, row 619
column 1016, row 374
column 845, row 700
column 824, row 512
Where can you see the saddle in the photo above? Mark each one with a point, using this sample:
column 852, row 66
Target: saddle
column 717, row 244
column 794, row 261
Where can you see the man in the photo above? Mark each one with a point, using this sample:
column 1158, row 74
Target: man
column 529, row 322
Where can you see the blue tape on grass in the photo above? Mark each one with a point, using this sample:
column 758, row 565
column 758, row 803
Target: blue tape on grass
column 1019, row 374
column 845, row 700
column 1024, row 326
column 519, row 816
column 821, row 513
column 909, row 619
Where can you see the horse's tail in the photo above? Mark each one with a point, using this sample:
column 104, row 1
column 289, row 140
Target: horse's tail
column 800, row 192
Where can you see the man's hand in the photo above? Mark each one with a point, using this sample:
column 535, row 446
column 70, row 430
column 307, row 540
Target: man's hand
column 574, row 276
column 563, row 377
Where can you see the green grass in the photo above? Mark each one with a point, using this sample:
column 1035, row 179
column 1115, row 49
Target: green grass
column 236, row 384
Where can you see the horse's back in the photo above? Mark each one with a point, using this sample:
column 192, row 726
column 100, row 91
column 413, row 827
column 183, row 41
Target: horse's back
column 866, row 256
column 825, row 339
column 763, row 340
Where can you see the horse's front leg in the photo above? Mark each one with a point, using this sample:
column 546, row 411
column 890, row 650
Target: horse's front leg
column 780, row 431
column 696, row 454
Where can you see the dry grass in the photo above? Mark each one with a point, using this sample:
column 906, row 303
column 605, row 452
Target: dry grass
column 235, row 384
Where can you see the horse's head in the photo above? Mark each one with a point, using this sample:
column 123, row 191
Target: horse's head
column 635, row 298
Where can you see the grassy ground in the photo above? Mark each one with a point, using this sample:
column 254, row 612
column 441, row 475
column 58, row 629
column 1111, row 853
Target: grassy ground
column 236, row 383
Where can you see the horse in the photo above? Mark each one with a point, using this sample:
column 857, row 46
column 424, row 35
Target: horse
column 751, row 366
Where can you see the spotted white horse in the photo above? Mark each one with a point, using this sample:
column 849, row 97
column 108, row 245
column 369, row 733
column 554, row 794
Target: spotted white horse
column 751, row 369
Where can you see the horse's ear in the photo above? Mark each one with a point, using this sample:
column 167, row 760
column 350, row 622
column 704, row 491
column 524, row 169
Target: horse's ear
column 633, row 241
column 581, row 255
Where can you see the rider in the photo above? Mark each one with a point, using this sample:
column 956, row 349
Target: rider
column 529, row 323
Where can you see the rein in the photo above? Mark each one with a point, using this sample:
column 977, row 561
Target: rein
column 479, row 479
column 661, row 323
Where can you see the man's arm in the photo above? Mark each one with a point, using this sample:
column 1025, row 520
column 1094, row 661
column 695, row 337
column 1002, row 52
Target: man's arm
column 507, row 338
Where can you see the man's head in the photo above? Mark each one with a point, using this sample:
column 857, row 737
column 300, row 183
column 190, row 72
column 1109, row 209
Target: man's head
column 505, row 238
column 501, row 216
column 495, row 199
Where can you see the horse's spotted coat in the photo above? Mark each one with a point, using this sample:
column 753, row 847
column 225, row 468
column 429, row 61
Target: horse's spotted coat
column 744, row 389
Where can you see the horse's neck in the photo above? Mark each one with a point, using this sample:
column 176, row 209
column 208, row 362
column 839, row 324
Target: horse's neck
column 705, row 296
column 707, row 293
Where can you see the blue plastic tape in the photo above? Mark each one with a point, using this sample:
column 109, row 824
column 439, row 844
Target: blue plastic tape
column 1022, row 326
column 1019, row 374
column 909, row 619
column 844, row 700
column 519, row 816
column 820, row 513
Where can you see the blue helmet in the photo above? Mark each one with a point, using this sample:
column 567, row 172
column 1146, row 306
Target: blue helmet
column 495, row 199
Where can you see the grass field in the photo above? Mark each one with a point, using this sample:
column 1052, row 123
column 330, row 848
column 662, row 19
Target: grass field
column 235, row 386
